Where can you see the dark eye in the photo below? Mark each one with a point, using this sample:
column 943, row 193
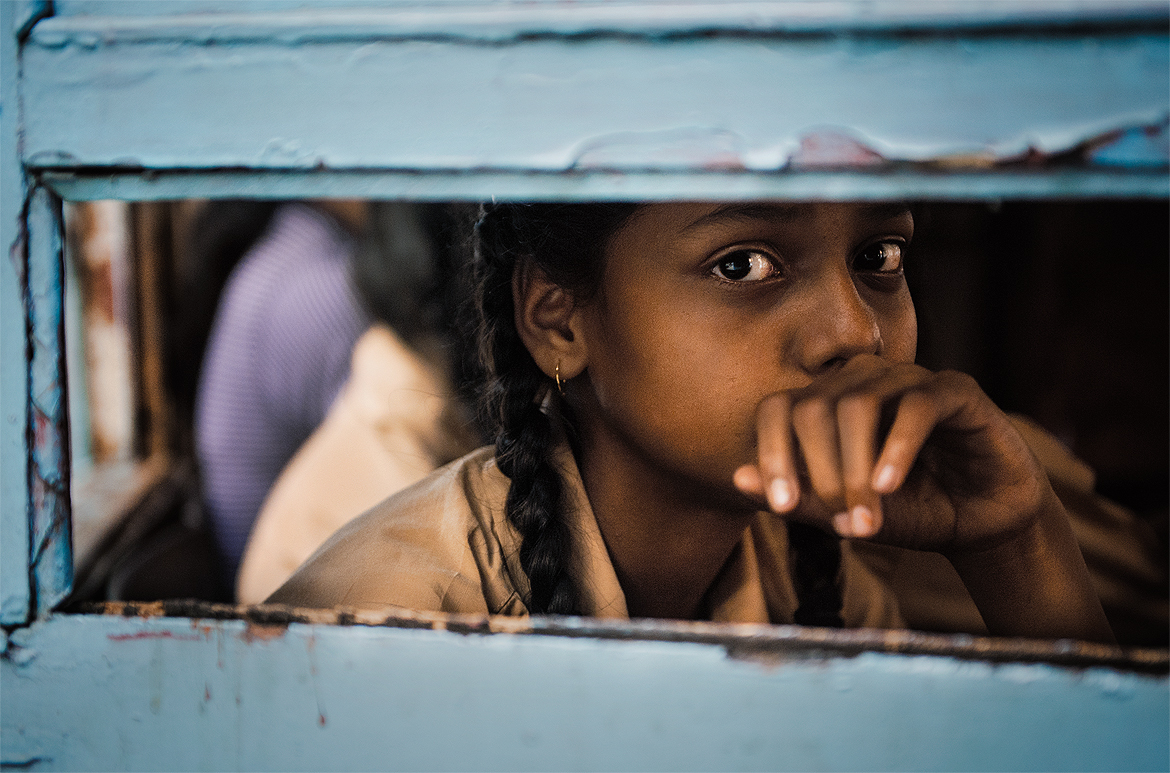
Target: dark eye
column 883, row 257
column 745, row 266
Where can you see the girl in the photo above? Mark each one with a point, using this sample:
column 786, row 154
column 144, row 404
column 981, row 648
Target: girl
column 695, row 404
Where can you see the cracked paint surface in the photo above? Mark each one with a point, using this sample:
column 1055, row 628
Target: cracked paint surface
column 623, row 99
column 50, row 560
column 195, row 686
column 252, row 688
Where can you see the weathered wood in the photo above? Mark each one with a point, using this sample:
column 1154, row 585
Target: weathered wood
column 104, row 692
column 50, row 558
column 388, row 90
column 14, row 543
column 572, row 101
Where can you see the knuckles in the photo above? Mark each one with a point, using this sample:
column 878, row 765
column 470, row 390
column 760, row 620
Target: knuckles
column 812, row 411
column 857, row 407
column 821, row 423
column 958, row 380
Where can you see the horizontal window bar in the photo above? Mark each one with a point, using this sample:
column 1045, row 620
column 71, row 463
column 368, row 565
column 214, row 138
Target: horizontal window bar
column 478, row 185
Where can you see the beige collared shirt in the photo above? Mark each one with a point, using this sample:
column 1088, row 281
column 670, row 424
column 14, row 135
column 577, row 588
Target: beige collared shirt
column 445, row 544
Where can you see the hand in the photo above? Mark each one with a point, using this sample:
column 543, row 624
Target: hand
column 951, row 474
column 898, row 454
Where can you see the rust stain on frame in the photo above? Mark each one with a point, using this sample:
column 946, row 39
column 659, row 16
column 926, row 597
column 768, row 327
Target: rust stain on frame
column 47, row 442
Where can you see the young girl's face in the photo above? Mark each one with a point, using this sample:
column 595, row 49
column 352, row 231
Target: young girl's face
column 705, row 309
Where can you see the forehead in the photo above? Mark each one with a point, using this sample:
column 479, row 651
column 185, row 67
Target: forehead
column 686, row 216
column 668, row 219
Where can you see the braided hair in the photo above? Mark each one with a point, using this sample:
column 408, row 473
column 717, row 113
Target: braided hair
column 568, row 242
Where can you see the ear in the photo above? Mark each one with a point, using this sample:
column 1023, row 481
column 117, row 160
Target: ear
column 548, row 319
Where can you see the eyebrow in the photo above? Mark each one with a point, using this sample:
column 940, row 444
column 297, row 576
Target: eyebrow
column 787, row 213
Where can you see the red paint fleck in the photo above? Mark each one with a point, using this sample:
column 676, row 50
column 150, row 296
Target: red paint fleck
column 254, row 632
column 321, row 720
column 206, row 692
column 149, row 635
column 833, row 149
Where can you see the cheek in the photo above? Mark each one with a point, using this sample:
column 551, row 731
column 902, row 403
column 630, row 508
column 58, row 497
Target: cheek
column 654, row 360
column 677, row 380
column 899, row 329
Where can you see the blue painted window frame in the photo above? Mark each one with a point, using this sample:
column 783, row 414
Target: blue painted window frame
column 119, row 133
column 131, row 100
column 56, row 144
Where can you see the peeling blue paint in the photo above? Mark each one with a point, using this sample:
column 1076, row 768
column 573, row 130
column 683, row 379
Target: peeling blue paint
column 14, row 542
column 556, row 104
column 481, row 184
column 51, row 559
column 28, row 13
column 1133, row 147
column 168, row 693
column 568, row 101
column 507, row 20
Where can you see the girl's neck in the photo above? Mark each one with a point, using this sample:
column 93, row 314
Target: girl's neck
column 666, row 545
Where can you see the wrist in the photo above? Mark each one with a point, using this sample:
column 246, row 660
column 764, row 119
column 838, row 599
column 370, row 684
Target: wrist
column 1034, row 583
column 1042, row 525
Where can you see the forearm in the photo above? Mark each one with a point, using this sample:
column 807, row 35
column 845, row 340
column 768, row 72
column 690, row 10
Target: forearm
column 1036, row 585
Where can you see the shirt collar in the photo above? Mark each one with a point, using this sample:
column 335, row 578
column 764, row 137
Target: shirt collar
column 737, row 595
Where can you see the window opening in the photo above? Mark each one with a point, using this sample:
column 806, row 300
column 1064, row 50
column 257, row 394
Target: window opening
column 1022, row 295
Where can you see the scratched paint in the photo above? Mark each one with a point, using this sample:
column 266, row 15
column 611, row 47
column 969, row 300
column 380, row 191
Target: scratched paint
column 101, row 692
column 481, row 185
column 652, row 107
column 549, row 104
column 269, row 621
column 509, row 20
column 14, row 542
column 637, row 110
column 50, row 559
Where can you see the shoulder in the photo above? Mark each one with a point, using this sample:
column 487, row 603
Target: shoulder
column 391, row 386
column 437, row 545
column 1059, row 463
column 300, row 232
column 297, row 236
column 302, row 259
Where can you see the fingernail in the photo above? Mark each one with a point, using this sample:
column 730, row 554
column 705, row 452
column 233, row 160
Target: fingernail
column 779, row 494
column 843, row 524
column 884, row 480
column 862, row 521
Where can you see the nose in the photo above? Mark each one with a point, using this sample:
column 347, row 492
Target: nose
column 839, row 323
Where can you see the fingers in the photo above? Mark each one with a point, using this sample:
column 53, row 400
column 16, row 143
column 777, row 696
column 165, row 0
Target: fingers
column 857, row 424
column 747, row 479
column 777, row 467
column 833, row 427
column 858, row 419
column 919, row 412
column 807, row 417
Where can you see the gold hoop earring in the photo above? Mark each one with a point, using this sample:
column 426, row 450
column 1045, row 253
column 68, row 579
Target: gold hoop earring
column 557, row 376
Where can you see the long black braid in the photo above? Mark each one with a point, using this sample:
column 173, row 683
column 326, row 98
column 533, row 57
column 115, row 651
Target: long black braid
column 568, row 241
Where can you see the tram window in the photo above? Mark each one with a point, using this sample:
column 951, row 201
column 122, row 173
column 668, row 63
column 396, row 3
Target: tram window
column 1054, row 307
